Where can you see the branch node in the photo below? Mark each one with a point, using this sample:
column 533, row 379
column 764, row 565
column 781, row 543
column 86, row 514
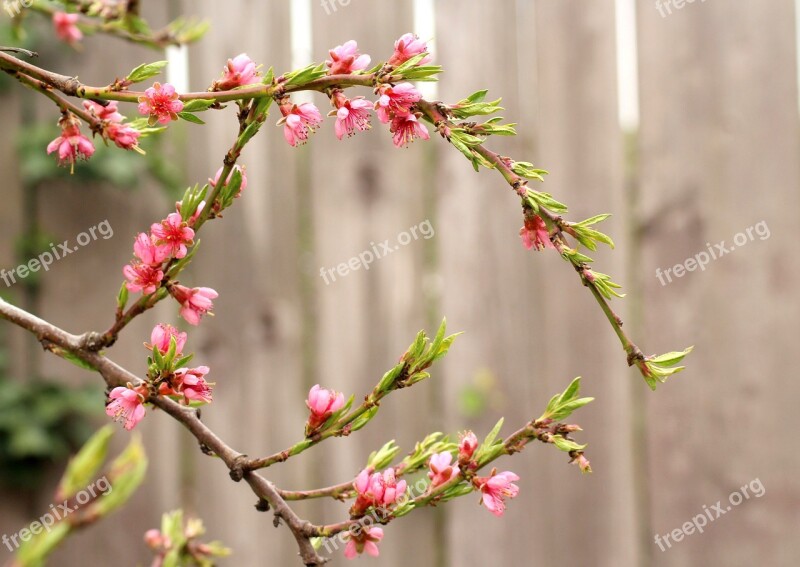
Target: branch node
column 238, row 468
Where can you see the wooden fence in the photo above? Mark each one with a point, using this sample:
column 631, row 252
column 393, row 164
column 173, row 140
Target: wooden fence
column 716, row 153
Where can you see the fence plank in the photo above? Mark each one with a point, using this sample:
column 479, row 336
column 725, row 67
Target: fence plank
column 572, row 101
column 367, row 319
column 719, row 150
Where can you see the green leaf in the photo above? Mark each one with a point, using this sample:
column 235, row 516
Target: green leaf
column 198, row 105
column 76, row 361
column 189, row 117
column 490, row 438
column 566, row 445
column 528, row 171
column 83, row 467
column 146, row 71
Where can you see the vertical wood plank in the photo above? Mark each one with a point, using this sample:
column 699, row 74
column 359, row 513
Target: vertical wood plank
column 719, row 150
column 251, row 258
column 558, row 65
column 580, row 143
column 365, row 191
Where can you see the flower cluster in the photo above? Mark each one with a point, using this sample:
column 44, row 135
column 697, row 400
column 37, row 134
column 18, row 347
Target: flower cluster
column 124, row 136
column 376, row 490
column 167, row 376
column 154, row 253
column 395, row 104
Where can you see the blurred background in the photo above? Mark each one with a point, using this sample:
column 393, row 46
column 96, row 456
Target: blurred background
column 681, row 119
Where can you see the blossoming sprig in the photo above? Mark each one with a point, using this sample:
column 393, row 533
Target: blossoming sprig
column 342, row 421
column 111, row 19
column 547, row 210
column 176, row 543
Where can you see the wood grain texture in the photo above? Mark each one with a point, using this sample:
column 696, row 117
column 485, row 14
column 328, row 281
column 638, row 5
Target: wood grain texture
column 719, row 149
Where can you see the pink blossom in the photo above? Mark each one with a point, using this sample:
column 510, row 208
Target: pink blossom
column 191, row 383
column 351, row 115
column 495, row 489
column 376, row 489
column 396, row 101
column 441, row 469
column 240, row 71
column 142, row 277
column 172, row 235
column 195, row 302
column 71, row 144
column 322, row 403
column 109, row 112
column 299, row 121
column 467, row 446
column 406, row 128
column 582, row 462
column 346, row 59
column 367, row 540
column 125, row 405
column 408, row 46
column 161, row 337
column 160, row 103
column 241, row 169
column 145, row 249
column 535, row 234
column 124, row 136
column 65, row 27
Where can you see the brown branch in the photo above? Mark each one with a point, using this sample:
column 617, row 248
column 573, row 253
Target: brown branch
column 51, row 336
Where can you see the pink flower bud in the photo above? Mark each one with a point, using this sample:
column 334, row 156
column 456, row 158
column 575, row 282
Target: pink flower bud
column 322, row 403
column 191, row 383
column 379, row 490
column 467, row 446
column 241, row 169
column 441, row 470
column 162, row 334
column 109, row 112
column 346, row 59
column 239, row 71
column 65, row 27
column 408, row 46
column 195, row 302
